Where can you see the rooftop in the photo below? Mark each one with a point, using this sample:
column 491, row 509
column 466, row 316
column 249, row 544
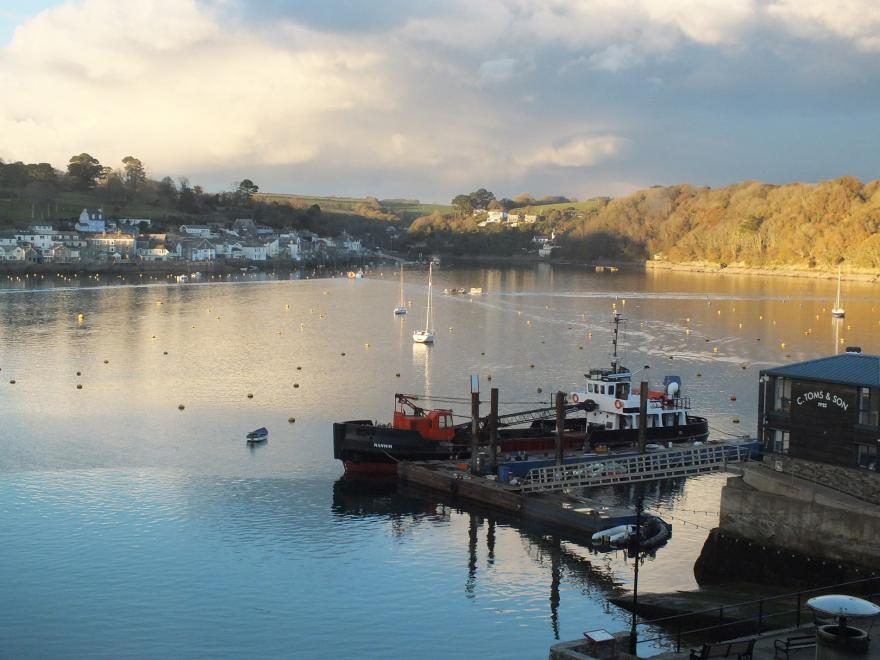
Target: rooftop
column 846, row 369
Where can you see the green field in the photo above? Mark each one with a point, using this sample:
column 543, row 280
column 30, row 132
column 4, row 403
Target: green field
column 406, row 209
column 68, row 205
column 587, row 206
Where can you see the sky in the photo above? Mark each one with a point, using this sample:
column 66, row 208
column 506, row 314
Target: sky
column 426, row 99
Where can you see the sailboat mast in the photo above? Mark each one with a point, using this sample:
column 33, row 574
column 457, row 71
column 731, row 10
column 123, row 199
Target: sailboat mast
column 428, row 315
column 837, row 304
column 401, row 284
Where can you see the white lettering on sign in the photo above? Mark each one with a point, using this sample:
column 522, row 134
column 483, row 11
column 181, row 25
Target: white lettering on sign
column 381, row 446
column 822, row 399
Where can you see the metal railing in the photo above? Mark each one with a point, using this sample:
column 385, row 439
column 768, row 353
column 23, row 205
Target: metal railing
column 711, row 625
column 666, row 464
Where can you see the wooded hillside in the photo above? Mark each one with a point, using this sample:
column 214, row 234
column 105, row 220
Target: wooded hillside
column 750, row 223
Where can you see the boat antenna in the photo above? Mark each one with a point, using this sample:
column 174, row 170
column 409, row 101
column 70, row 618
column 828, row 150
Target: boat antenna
column 614, row 339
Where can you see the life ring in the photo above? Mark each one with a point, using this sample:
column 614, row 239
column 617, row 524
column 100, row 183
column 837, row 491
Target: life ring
column 575, row 398
column 618, row 404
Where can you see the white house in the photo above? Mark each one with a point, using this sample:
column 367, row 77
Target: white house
column 546, row 250
column 91, row 221
column 157, row 253
column 8, row 241
column 202, row 251
column 496, row 216
column 40, row 229
column 11, row 253
column 254, row 252
column 530, row 219
column 39, row 241
column 202, row 231
column 273, row 248
column 293, row 250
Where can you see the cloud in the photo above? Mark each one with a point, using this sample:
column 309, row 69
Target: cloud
column 583, row 151
column 504, row 69
column 615, row 58
column 856, row 21
column 165, row 80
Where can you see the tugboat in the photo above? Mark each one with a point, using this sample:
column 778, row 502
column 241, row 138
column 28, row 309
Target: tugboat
column 611, row 419
column 420, row 434
column 614, row 419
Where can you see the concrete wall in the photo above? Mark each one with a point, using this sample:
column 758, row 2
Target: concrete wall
column 784, row 512
column 863, row 484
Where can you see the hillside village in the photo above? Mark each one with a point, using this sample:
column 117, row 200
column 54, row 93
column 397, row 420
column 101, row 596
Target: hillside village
column 95, row 239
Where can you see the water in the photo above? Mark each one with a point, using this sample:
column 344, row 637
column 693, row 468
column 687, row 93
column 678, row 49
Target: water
column 131, row 528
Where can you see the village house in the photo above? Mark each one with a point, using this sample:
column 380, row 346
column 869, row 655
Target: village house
column 91, row 221
column 201, row 231
column 111, row 246
column 63, row 254
column 39, row 240
column 11, row 253
column 254, row 251
column 494, row 217
column 244, row 227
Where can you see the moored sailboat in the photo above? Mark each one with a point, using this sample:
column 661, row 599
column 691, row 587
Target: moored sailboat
column 837, row 311
column 426, row 336
column 400, row 310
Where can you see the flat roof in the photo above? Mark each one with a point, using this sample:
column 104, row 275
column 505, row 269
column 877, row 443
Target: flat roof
column 846, row 369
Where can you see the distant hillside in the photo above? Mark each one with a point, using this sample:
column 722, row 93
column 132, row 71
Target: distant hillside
column 403, row 209
column 750, row 223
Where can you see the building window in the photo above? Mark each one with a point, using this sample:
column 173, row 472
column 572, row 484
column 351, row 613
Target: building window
column 869, row 407
column 780, row 441
column 866, row 456
column 782, row 395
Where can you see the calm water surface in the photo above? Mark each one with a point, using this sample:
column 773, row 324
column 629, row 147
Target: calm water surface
column 131, row 528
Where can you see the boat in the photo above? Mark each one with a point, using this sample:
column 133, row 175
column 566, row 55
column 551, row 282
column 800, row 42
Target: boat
column 457, row 291
column 419, row 433
column 258, row 435
column 613, row 420
column 618, row 535
column 838, row 312
column 400, row 310
column 426, row 336
column 610, row 419
column 476, row 291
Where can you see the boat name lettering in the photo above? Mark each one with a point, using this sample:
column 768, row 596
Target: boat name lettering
column 822, row 398
column 382, row 446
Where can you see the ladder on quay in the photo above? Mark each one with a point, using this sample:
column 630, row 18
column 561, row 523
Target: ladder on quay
column 608, row 471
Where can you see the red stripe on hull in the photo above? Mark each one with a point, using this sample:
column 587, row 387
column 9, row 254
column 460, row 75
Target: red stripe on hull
column 369, row 468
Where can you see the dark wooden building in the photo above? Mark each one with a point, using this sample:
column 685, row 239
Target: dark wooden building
column 825, row 410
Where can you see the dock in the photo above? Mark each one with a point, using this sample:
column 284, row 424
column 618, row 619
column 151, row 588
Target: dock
column 577, row 517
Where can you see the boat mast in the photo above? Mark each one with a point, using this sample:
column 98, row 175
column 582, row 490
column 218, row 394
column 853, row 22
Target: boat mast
column 837, row 305
column 428, row 315
column 614, row 337
column 401, row 284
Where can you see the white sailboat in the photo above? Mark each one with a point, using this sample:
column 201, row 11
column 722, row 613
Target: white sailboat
column 838, row 312
column 400, row 310
column 426, row 336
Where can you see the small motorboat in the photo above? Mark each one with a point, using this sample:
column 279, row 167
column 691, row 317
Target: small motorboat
column 614, row 536
column 259, row 435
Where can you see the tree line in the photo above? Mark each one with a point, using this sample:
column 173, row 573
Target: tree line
column 120, row 188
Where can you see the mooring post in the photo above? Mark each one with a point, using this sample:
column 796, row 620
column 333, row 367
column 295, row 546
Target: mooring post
column 560, row 425
column 475, row 430
column 633, row 632
column 493, row 428
column 643, row 416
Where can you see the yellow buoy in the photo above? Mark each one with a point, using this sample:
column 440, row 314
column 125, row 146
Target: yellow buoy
column 79, row 317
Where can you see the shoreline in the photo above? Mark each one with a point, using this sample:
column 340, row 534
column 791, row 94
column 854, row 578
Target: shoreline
column 218, row 267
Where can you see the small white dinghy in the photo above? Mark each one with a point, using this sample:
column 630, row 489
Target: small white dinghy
column 614, row 535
